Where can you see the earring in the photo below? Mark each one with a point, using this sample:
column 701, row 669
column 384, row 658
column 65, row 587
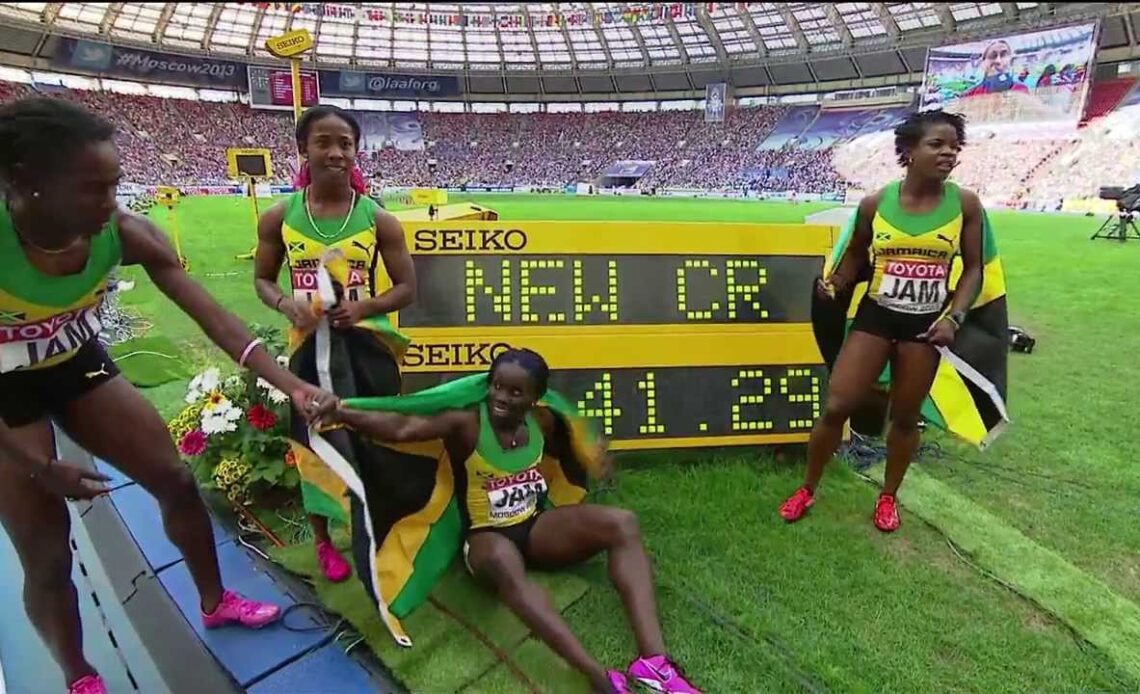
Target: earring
column 35, row 193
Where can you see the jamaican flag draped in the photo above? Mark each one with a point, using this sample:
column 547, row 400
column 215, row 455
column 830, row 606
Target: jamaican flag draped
column 400, row 499
column 968, row 396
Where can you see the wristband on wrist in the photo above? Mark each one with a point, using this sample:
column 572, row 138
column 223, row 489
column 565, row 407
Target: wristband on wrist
column 248, row 348
column 277, row 304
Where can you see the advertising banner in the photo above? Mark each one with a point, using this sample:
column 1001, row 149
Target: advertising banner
column 344, row 83
column 148, row 66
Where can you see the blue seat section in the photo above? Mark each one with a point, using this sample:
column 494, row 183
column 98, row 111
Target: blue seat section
column 141, row 514
column 118, row 479
column 325, row 670
column 247, row 654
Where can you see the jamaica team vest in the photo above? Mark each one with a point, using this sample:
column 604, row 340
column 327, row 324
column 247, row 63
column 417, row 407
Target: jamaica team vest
column 503, row 488
column 911, row 254
column 44, row 319
column 364, row 276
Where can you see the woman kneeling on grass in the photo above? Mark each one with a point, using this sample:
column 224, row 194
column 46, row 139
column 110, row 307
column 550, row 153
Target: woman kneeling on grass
column 499, row 445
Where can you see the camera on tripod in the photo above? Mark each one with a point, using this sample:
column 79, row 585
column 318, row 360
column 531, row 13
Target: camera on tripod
column 1127, row 205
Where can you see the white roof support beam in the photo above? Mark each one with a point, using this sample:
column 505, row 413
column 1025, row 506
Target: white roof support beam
column 794, row 27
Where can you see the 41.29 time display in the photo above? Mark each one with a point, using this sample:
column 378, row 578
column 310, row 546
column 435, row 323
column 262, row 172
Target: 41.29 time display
column 707, row 401
column 688, row 402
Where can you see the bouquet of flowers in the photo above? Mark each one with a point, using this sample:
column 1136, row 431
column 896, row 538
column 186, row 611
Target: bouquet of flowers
column 233, row 433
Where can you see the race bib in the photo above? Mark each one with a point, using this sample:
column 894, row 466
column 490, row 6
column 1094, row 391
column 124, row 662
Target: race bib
column 515, row 496
column 913, row 286
column 25, row 345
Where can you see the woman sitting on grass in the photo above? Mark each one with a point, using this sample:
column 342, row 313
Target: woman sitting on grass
column 496, row 447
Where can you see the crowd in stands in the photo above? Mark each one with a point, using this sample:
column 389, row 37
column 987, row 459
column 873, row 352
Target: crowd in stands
column 181, row 142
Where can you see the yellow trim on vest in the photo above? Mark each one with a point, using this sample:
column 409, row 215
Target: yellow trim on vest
column 21, row 319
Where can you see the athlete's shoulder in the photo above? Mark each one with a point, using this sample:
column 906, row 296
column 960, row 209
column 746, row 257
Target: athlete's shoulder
column 276, row 213
column 869, row 205
column 971, row 203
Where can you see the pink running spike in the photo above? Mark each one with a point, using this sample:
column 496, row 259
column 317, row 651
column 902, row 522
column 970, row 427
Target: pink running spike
column 235, row 609
column 661, row 675
column 335, row 567
column 90, row 684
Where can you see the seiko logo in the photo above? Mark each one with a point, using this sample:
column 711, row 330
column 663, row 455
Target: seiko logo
column 429, row 240
column 453, row 354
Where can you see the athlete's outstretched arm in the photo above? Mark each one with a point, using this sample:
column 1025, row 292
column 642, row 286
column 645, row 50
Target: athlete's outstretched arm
column 398, row 428
column 145, row 244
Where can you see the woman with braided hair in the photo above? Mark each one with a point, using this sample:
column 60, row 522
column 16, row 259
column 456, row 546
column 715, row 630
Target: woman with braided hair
column 61, row 234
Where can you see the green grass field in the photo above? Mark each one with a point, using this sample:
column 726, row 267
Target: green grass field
column 1015, row 570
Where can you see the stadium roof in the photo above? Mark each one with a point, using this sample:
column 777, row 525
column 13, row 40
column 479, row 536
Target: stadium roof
column 562, row 38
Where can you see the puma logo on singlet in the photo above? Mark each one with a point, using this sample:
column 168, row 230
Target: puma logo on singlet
column 361, row 246
column 101, row 372
column 946, row 239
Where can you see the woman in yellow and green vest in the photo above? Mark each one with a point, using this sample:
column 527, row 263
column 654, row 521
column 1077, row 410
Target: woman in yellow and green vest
column 62, row 234
column 903, row 243
column 330, row 221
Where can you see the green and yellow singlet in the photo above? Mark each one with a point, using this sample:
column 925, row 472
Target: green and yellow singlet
column 364, row 275
column 503, row 487
column 911, row 254
column 44, row 319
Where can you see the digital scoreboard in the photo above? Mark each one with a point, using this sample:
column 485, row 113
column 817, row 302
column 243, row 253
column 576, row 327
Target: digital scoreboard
column 272, row 88
column 667, row 334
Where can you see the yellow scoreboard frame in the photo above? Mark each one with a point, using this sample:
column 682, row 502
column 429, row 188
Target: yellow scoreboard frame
column 670, row 334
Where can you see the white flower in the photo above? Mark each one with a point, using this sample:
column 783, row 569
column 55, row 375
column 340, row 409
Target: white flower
column 215, row 424
column 217, row 404
column 203, row 383
column 275, row 396
column 283, row 361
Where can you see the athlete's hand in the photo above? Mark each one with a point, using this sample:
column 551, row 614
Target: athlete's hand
column 941, row 334
column 347, row 314
column 824, row 288
column 300, row 314
column 314, row 403
column 71, row 481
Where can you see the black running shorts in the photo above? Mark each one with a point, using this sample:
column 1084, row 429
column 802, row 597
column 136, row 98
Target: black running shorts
column 891, row 325
column 29, row 395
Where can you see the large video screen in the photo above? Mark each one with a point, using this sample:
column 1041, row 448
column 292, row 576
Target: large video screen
column 1039, row 77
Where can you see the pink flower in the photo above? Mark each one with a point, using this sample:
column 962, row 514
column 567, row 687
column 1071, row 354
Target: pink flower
column 193, row 443
column 261, row 417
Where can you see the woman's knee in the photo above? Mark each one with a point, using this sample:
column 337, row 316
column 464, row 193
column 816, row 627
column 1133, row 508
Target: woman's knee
column 837, row 411
column 622, row 526
column 904, row 421
column 175, row 485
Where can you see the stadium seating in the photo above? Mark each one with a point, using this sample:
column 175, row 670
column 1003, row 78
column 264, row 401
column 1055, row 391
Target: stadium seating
column 1105, row 96
column 176, row 141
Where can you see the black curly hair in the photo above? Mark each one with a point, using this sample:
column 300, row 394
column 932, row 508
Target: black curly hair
column 42, row 134
column 910, row 131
